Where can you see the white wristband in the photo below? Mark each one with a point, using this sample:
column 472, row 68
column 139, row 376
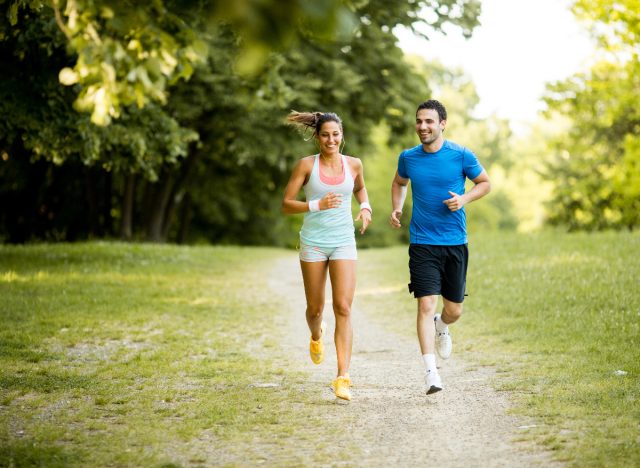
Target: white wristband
column 314, row 205
column 365, row 206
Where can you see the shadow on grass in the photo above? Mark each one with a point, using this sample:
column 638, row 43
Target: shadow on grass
column 45, row 382
column 23, row 348
column 28, row 453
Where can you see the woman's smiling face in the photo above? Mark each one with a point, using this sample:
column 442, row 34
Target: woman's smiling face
column 330, row 137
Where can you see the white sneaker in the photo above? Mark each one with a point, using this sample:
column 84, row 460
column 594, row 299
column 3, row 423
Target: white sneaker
column 443, row 344
column 433, row 381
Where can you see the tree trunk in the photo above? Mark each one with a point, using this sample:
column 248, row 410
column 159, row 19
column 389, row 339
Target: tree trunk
column 92, row 200
column 159, row 209
column 20, row 203
column 107, row 217
column 185, row 220
column 180, row 191
column 172, row 204
column 126, row 222
column 162, row 199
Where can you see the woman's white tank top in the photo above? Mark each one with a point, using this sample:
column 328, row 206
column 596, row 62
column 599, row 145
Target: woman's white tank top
column 332, row 227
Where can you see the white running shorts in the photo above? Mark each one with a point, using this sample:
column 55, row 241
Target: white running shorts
column 312, row 253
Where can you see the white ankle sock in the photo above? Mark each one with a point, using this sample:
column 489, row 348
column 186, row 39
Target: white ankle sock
column 440, row 325
column 430, row 362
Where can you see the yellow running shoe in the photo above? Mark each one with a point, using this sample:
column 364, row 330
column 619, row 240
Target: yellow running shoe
column 316, row 348
column 341, row 387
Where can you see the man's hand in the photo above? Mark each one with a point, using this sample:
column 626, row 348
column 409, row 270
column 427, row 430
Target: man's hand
column 394, row 219
column 455, row 202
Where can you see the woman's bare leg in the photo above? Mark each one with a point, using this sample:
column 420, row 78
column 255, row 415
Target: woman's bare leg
column 343, row 285
column 314, row 275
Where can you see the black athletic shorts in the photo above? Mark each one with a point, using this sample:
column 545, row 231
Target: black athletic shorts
column 438, row 270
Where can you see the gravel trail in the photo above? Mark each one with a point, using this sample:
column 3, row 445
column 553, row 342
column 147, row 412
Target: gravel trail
column 391, row 418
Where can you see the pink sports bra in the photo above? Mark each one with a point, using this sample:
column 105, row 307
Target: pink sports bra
column 333, row 180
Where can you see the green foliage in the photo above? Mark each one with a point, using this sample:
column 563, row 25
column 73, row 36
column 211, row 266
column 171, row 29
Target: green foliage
column 379, row 168
column 593, row 159
column 615, row 25
column 313, row 76
column 44, row 124
column 124, row 53
column 195, row 94
column 626, row 182
column 495, row 213
column 597, row 160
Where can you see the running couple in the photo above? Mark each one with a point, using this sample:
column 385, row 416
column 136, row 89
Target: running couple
column 438, row 254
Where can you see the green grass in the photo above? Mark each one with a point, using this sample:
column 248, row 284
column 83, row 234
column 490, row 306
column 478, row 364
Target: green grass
column 557, row 315
column 140, row 355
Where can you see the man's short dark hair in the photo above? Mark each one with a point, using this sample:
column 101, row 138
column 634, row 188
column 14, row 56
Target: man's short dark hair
column 435, row 105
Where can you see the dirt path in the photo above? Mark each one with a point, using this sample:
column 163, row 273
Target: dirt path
column 390, row 418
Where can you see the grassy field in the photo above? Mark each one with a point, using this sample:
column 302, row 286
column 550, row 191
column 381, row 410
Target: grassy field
column 138, row 355
column 559, row 317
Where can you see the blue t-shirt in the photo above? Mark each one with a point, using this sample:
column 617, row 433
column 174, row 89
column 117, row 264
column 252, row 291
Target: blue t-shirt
column 432, row 176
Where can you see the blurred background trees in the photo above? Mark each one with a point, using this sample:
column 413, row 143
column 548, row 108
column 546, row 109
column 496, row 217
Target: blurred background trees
column 164, row 121
column 596, row 168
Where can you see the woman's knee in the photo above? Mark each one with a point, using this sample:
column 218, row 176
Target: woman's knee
column 342, row 308
column 314, row 310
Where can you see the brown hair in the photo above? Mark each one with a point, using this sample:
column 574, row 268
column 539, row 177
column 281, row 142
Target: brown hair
column 434, row 105
column 313, row 120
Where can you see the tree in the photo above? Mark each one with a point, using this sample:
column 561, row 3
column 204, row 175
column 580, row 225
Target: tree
column 596, row 167
column 173, row 98
column 128, row 52
column 44, row 129
column 365, row 79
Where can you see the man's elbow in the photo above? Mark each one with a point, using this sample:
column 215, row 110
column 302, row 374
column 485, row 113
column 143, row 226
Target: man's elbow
column 488, row 189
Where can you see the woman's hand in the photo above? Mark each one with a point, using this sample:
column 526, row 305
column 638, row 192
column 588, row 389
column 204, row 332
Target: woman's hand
column 365, row 216
column 331, row 200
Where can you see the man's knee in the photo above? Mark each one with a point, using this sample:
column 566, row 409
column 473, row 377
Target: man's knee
column 452, row 311
column 427, row 305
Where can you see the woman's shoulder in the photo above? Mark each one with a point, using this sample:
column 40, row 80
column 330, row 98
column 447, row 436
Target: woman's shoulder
column 354, row 163
column 306, row 162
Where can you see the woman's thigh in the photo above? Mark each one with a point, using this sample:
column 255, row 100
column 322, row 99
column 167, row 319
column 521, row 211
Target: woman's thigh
column 343, row 280
column 314, row 275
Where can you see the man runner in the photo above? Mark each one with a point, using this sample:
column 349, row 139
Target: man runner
column 438, row 254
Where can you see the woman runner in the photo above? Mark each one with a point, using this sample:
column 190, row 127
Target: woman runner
column 327, row 240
